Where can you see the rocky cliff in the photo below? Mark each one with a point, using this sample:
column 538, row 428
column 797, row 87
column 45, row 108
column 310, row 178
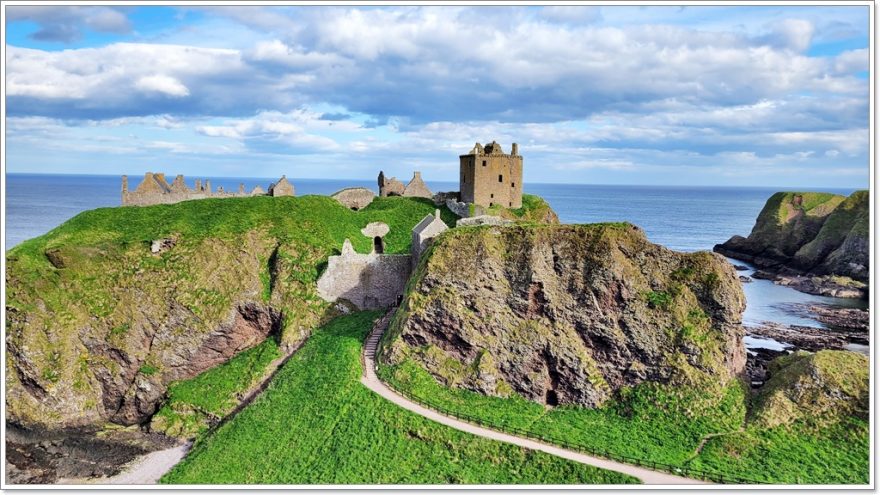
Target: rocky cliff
column 800, row 233
column 568, row 314
column 108, row 309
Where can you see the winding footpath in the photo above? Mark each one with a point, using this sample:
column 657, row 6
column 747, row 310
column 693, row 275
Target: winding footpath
column 371, row 381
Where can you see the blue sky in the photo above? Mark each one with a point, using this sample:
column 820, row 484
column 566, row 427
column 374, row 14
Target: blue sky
column 718, row 95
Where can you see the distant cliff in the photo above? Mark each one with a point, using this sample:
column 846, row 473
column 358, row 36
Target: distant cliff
column 803, row 233
column 568, row 314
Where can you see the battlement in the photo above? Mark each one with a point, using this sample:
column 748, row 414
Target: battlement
column 492, row 149
column 154, row 189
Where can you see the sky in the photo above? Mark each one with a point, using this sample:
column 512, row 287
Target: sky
column 718, row 95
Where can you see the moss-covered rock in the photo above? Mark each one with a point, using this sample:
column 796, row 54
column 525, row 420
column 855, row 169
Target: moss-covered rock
column 569, row 314
column 808, row 233
column 98, row 324
column 817, row 388
column 534, row 209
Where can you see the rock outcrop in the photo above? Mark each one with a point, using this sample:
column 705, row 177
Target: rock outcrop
column 568, row 314
column 134, row 322
column 818, row 387
column 105, row 311
column 814, row 234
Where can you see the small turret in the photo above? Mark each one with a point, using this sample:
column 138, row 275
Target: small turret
column 514, row 149
column 125, row 183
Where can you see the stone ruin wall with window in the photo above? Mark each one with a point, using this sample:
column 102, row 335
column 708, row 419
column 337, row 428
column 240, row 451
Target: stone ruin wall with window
column 490, row 177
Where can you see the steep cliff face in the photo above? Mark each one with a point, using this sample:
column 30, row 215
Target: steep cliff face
column 108, row 309
column 808, row 233
column 568, row 314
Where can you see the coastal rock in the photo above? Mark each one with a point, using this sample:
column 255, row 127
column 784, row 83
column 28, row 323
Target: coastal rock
column 808, row 338
column 101, row 339
column 744, row 279
column 821, row 386
column 569, row 314
column 801, row 236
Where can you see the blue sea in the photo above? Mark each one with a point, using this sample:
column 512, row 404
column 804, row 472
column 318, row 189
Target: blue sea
column 681, row 218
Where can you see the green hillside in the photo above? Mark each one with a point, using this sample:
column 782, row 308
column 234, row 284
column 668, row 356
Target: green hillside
column 317, row 424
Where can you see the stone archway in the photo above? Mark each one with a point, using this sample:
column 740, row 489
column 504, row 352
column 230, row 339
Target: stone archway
column 378, row 245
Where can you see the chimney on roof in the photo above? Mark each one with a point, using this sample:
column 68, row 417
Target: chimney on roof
column 437, row 213
column 515, row 150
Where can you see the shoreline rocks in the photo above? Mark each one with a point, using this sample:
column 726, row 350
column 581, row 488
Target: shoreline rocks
column 812, row 242
column 46, row 456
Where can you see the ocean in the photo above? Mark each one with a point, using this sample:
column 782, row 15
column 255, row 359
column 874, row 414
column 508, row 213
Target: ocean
column 682, row 218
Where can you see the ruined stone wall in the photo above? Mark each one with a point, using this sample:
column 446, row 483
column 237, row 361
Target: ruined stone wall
column 154, row 190
column 490, row 179
column 369, row 281
column 354, row 197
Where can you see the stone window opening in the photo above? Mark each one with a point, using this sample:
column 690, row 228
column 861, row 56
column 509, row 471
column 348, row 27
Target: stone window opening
column 484, row 163
column 513, row 184
column 492, row 195
column 500, row 178
column 378, row 246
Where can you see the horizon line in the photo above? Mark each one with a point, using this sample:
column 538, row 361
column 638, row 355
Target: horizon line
column 777, row 187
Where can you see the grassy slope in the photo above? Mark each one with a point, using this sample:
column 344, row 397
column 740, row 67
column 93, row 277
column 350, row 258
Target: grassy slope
column 195, row 403
column 317, row 424
column 648, row 424
column 112, row 283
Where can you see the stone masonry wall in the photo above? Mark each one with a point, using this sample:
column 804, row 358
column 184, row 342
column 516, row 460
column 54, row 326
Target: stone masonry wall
column 369, row 281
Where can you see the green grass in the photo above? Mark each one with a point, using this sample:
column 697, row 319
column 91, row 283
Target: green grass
column 193, row 404
column 653, row 423
column 796, row 454
column 227, row 251
column 317, row 424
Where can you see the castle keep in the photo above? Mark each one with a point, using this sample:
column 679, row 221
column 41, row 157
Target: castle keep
column 489, row 177
column 154, row 189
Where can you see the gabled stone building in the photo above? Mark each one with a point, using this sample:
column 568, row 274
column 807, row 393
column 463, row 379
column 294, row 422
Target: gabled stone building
column 488, row 176
column 431, row 226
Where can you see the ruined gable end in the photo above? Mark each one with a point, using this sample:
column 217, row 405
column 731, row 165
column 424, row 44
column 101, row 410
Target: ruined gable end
column 417, row 188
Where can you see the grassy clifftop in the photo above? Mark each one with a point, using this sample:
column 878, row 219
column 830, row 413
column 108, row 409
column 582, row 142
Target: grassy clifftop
column 98, row 325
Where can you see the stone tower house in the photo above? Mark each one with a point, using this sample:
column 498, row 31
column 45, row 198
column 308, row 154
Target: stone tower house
column 489, row 177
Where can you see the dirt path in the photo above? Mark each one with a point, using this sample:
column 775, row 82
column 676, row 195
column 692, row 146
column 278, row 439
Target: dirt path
column 371, row 381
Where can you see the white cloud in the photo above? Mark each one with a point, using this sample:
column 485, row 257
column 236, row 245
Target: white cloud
column 162, row 84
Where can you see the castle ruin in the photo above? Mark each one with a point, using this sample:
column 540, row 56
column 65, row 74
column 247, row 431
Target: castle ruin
column 155, row 189
column 376, row 280
column 489, row 177
column 416, row 187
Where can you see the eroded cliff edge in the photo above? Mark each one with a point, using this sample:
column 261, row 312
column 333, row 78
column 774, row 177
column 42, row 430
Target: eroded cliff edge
column 813, row 241
column 568, row 314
